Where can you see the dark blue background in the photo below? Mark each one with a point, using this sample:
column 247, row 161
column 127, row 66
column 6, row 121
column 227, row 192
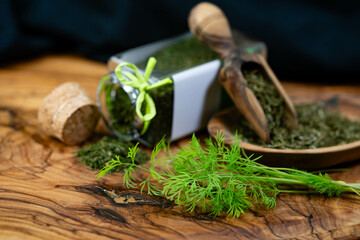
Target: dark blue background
column 307, row 40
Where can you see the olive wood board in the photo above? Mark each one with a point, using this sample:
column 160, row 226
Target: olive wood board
column 345, row 104
column 45, row 193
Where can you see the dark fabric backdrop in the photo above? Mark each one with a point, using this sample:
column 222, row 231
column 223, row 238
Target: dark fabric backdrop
column 307, row 40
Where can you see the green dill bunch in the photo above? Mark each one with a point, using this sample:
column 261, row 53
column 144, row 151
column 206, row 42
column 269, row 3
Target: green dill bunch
column 218, row 178
column 98, row 154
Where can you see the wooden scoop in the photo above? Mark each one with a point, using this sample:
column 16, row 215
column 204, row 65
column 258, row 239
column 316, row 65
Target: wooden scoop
column 210, row 25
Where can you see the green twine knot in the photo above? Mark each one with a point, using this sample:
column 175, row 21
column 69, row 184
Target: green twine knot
column 137, row 80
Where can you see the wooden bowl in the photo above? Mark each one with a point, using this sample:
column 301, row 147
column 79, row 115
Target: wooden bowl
column 311, row 159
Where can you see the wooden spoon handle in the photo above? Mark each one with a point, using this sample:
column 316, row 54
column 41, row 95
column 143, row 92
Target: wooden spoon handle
column 232, row 79
column 210, row 25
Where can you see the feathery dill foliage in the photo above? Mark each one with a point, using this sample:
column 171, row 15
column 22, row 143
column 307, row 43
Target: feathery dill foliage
column 220, row 178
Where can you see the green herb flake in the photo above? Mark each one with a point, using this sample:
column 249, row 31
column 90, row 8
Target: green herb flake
column 183, row 55
column 98, row 154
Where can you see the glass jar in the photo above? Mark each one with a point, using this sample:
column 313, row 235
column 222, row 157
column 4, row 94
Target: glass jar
column 117, row 104
column 182, row 107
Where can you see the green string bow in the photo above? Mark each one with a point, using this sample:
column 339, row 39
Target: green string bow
column 137, row 80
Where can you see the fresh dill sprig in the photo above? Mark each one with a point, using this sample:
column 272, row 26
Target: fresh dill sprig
column 220, row 178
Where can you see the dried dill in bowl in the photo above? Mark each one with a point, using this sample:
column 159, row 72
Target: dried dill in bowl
column 317, row 126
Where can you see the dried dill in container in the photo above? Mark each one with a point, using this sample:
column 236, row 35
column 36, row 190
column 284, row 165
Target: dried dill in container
column 182, row 107
column 117, row 102
column 317, row 126
column 184, row 55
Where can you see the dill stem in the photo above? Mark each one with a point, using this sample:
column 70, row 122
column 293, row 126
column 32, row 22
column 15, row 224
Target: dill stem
column 298, row 191
column 349, row 187
column 285, row 181
column 277, row 180
column 277, row 172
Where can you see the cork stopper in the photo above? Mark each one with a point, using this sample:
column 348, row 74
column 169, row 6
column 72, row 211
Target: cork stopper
column 68, row 114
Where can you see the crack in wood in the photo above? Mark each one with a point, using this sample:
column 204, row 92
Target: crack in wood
column 310, row 217
column 109, row 214
column 356, row 232
column 292, row 208
column 124, row 197
column 270, row 228
column 63, row 214
column 7, row 118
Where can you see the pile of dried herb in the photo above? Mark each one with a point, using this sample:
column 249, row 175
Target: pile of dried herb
column 98, row 154
column 267, row 95
column 317, row 127
column 183, row 55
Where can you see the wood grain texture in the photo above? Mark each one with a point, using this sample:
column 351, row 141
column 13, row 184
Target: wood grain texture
column 46, row 194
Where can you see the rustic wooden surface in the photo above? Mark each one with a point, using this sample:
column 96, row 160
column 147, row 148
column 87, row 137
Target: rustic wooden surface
column 46, row 194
